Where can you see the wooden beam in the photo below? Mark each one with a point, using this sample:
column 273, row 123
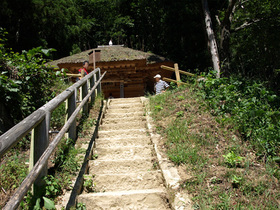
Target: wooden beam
column 177, row 73
column 73, row 75
column 70, row 108
column 182, row 72
column 172, row 80
column 39, row 143
column 12, row 136
column 15, row 134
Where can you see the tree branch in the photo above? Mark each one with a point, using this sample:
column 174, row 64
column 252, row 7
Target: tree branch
column 246, row 24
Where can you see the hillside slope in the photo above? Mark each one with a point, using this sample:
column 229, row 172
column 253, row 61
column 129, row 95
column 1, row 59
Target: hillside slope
column 225, row 171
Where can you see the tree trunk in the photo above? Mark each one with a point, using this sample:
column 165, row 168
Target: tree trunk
column 211, row 38
column 225, row 34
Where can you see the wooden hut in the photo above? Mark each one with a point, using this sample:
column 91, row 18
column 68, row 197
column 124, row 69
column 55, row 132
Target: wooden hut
column 129, row 72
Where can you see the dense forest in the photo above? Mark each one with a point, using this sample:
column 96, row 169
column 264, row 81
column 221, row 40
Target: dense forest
column 247, row 32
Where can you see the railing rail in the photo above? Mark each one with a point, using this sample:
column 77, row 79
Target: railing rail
column 39, row 123
column 177, row 74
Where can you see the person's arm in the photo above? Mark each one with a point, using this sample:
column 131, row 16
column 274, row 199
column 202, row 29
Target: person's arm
column 166, row 85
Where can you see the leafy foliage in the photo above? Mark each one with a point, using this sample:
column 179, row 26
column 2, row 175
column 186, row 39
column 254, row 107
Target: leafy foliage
column 252, row 107
column 53, row 187
column 232, row 160
column 24, row 81
column 13, row 173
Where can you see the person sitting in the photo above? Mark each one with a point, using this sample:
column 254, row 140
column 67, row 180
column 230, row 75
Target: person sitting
column 160, row 86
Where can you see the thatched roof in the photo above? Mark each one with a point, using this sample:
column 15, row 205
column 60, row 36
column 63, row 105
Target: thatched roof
column 110, row 54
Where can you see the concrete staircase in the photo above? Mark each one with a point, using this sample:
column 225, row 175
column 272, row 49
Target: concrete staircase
column 125, row 174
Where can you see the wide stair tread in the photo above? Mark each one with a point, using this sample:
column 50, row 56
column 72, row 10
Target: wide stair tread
column 128, row 181
column 121, row 120
column 123, row 126
column 123, row 153
column 135, row 199
column 110, row 142
column 125, row 115
column 123, row 133
column 121, row 166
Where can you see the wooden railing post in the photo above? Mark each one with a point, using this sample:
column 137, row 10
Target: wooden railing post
column 39, row 143
column 82, row 75
column 91, row 84
column 98, row 74
column 70, row 108
column 84, row 94
column 177, row 73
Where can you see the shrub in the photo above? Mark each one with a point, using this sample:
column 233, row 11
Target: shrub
column 253, row 108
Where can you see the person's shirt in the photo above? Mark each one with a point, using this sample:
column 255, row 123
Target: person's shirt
column 80, row 71
column 160, row 86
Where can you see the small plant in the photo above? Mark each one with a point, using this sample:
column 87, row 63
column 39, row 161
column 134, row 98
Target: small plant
column 48, row 204
column 155, row 165
column 88, row 184
column 158, row 107
column 181, row 98
column 81, row 206
column 180, row 114
column 94, row 156
column 236, row 181
column 53, row 187
column 232, row 160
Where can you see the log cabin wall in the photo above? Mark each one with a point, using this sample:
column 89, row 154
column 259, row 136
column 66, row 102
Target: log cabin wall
column 130, row 73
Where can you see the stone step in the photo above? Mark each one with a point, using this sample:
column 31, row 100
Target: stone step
column 154, row 199
column 129, row 133
column 125, row 106
column 128, row 181
column 119, row 100
column 120, row 166
column 130, row 110
column 124, row 115
column 123, row 153
column 121, row 120
column 131, row 103
column 122, row 142
column 123, row 126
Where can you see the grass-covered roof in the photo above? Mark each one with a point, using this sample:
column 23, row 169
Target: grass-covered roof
column 111, row 54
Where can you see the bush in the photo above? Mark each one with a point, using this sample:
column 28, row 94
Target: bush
column 24, row 81
column 253, row 108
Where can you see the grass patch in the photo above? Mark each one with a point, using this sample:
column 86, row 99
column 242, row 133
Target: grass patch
column 225, row 171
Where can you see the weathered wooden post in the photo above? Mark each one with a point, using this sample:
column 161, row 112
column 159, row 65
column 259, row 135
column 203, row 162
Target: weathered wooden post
column 82, row 76
column 98, row 75
column 84, row 94
column 70, row 108
column 39, row 143
column 177, row 73
column 91, row 84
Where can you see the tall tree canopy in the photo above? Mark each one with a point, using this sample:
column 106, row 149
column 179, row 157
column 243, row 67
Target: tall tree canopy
column 247, row 32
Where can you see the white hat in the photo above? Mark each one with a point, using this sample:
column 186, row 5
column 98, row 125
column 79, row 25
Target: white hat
column 157, row 76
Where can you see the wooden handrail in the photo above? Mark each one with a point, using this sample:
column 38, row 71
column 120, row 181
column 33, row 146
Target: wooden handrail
column 13, row 135
column 182, row 72
column 172, row 80
column 7, row 140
